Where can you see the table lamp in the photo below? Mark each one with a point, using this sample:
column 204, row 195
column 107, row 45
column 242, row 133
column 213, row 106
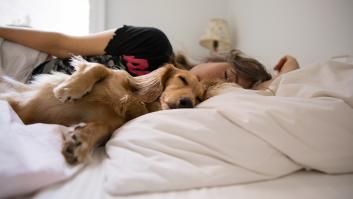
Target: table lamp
column 217, row 36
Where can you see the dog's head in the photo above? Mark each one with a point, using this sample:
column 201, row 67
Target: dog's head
column 174, row 88
column 181, row 90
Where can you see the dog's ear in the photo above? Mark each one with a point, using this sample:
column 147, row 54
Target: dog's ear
column 150, row 86
column 214, row 87
column 211, row 87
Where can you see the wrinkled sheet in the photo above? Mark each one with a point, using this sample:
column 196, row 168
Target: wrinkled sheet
column 89, row 183
column 240, row 136
column 30, row 156
column 18, row 61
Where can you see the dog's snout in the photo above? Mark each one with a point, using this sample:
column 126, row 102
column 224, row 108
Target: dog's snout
column 185, row 102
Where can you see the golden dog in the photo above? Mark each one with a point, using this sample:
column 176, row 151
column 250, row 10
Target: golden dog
column 96, row 100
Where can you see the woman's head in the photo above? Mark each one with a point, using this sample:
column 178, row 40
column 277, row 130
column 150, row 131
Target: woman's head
column 232, row 66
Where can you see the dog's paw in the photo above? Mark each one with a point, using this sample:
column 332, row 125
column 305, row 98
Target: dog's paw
column 75, row 149
column 66, row 93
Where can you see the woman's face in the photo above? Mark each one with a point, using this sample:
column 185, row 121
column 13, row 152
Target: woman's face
column 219, row 71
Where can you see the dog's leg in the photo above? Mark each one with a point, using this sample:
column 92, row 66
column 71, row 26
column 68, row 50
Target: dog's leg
column 80, row 141
column 81, row 82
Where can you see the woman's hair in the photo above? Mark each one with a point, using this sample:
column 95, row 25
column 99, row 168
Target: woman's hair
column 247, row 68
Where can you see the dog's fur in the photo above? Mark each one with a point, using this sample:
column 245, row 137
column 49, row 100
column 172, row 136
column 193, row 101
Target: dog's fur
column 96, row 100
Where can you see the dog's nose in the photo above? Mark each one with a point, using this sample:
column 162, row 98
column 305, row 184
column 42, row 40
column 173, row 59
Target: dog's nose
column 185, row 102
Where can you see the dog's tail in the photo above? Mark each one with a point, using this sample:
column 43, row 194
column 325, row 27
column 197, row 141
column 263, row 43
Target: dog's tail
column 7, row 84
column 77, row 61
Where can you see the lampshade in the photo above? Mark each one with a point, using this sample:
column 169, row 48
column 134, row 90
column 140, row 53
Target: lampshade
column 217, row 36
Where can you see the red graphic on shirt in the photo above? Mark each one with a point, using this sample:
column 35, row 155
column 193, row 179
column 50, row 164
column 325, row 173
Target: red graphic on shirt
column 136, row 65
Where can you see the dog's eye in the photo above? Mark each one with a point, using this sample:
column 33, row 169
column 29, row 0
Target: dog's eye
column 198, row 99
column 183, row 79
column 225, row 75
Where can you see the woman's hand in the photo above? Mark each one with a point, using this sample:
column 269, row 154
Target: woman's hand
column 286, row 63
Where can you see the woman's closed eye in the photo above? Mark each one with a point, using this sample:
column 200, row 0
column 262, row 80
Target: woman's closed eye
column 226, row 75
column 230, row 76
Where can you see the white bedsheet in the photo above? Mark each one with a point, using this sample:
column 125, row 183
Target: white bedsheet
column 18, row 61
column 30, row 156
column 89, row 183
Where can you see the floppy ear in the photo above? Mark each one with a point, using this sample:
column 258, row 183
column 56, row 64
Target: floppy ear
column 150, row 86
column 214, row 87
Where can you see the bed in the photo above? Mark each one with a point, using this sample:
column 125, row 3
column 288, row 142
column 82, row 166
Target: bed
column 292, row 140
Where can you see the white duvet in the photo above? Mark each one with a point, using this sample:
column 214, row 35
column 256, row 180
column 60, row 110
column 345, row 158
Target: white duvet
column 238, row 136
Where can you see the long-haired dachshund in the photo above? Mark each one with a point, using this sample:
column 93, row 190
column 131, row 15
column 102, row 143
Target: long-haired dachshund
column 96, row 100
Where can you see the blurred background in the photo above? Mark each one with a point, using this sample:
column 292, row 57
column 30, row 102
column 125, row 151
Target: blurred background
column 311, row 30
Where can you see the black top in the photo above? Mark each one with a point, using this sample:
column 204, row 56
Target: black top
column 138, row 50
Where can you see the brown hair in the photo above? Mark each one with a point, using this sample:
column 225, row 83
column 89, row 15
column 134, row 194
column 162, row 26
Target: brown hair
column 248, row 68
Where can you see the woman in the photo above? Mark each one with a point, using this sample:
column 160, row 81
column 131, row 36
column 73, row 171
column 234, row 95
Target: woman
column 137, row 50
column 234, row 66
column 140, row 50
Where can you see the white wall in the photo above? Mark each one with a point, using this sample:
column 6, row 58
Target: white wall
column 182, row 20
column 65, row 16
column 311, row 30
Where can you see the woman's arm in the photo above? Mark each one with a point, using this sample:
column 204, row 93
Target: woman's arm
column 58, row 44
column 286, row 64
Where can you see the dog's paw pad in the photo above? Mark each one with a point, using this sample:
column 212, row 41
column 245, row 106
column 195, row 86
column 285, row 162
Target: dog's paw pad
column 74, row 149
column 65, row 93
